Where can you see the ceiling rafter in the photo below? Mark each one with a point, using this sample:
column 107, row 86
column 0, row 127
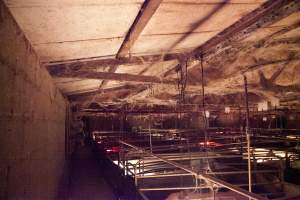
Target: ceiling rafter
column 146, row 12
column 94, row 63
column 114, row 76
column 88, row 96
column 95, row 91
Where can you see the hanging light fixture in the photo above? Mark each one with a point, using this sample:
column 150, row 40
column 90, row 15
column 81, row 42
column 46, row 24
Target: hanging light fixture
column 207, row 114
column 227, row 109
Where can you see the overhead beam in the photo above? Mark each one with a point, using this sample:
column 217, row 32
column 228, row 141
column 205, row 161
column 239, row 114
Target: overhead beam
column 146, row 12
column 111, row 69
column 114, row 76
column 98, row 62
column 102, row 94
column 260, row 65
column 142, row 109
column 97, row 91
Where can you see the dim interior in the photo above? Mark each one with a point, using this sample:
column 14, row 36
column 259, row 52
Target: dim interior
column 150, row 99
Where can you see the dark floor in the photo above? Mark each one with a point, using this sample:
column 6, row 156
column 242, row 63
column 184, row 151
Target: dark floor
column 86, row 180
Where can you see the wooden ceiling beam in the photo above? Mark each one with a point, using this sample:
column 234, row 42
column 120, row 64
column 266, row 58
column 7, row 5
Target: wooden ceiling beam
column 113, row 76
column 146, row 12
column 97, row 91
column 95, row 63
column 95, row 95
column 111, row 69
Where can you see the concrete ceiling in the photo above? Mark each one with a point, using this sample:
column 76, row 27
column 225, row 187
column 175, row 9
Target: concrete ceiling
column 64, row 30
column 178, row 26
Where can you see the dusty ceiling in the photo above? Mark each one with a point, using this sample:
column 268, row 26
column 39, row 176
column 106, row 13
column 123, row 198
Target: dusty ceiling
column 130, row 50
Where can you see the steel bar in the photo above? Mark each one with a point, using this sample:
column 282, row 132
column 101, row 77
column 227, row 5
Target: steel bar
column 203, row 104
column 214, row 173
column 143, row 195
column 114, row 76
column 150, row 135
column 201, row 157
column 183, row 156
column 172, row 188
column 247, row 133
column 162, row 175
column 243, row 172
column 256, row 184
column 199, row 187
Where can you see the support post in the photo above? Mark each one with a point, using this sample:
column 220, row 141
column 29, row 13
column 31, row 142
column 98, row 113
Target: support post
column 203, row 105
column 150, row 135
column 248, row 134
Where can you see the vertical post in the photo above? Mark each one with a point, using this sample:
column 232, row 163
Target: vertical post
column 241, row 131
column 139, row 166
column 121, row 124
column 119, row 157
column 143, row 165
column 248, row 134
column 68, row 146
column 196, row 183
column 287, row 160
column 203, row 105
column 112, row 122
column 150, row 135
column 135, row 174
column 281, row 171
column 124, row 164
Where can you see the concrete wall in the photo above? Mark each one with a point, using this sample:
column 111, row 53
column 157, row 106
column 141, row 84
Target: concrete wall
column 32, row 119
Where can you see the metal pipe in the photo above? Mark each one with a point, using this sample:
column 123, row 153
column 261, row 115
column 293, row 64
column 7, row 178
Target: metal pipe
column 198, row 157
column 172, row 188
column 195, row 187
column 221, row 173
column 247, row 134
column 249, row 163
column 150, row 135
column 162, row 175
column 244, row 172
column 203, row 104
column 135, row 175
column 256, row 184
column 143, row 195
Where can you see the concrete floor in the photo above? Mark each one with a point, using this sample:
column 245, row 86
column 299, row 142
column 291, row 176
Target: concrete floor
column 86, row 178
